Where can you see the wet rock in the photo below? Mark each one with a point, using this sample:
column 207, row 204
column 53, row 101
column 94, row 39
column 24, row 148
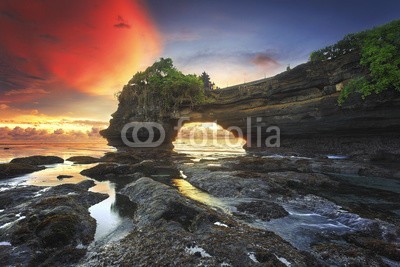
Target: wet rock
column 309, row 165
column 86, row 184
column 175, row 231
column 83, row 160
column 121, row 157
column 169, row 246
column 9, row 170
column 110, row 171
column 12, row 197
column 38, row 160
column 390, row 250
column 62, row 177
column 100, row 171
column 49, row 226
column 298, row 181
column 386, row 156
column 340, row 254
column 263, row 210
column 227, row 184
column 156, row 200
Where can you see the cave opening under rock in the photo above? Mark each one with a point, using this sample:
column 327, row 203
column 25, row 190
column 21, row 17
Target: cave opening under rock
column 208, row 137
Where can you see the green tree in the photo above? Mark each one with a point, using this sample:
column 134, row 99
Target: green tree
column 161, row 89
column 206, row 80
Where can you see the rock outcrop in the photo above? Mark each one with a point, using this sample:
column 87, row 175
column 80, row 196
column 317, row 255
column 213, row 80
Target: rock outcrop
column 46, row 226
column 38, row 160
column 302, row 102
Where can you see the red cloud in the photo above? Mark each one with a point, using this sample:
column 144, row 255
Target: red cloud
column 264, row 60
column 76, row 43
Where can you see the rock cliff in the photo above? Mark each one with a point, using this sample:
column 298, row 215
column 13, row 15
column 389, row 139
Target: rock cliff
column 302, row 102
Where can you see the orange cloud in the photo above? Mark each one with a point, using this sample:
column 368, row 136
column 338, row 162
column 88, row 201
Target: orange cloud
column 4, row 106
column 26, row 91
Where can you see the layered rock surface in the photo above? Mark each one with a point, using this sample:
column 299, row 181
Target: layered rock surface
column 302, row 102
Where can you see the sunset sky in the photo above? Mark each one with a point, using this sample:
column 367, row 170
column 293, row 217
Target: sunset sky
column 62, row 61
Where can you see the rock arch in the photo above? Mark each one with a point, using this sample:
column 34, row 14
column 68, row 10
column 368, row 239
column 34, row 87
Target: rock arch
column 302, row 102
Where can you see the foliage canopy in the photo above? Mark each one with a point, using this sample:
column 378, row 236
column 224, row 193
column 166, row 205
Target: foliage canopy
column 380, row 53
column 161, row 89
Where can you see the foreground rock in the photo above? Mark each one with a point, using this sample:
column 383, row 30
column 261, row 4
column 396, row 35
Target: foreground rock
column 113, row 171
column 281, row 188
column 38, row 160
column 9, row 170
column 172, row 230
column 263, row 210
column 46, row 226
column 263, row 164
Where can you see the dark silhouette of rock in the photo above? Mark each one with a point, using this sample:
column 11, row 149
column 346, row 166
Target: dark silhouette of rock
column 38, row 160
column 9, row 170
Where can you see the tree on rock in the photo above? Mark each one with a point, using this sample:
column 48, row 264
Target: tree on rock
column 206, row 81
column 161, row 89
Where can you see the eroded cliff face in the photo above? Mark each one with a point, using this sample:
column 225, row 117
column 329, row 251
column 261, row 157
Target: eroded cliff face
column 302, row 102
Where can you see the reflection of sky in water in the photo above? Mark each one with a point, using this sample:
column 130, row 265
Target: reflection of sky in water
column 106, row 216
column 106, row 213
column 63, row 150
column 48, row 176
column 188, row 190
column 207, row 141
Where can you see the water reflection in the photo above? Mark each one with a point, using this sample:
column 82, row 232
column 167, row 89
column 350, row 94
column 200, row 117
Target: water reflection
column 188, row 190
column 110, row 213
column 208, row 141
column 48, row 176
column 63, row 150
